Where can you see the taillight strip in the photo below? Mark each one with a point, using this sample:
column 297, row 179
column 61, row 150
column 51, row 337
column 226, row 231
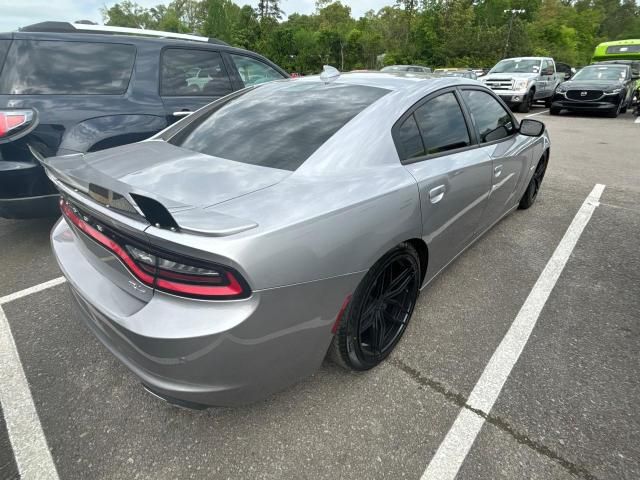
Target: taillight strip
column 107, row 243
column 233, row 289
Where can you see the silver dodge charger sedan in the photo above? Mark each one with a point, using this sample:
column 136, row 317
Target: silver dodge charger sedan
column 226, row 257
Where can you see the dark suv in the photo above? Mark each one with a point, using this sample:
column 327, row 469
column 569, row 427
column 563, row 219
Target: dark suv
column 68, row 88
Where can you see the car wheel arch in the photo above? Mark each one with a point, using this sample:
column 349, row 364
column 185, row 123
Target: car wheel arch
column 423, row 255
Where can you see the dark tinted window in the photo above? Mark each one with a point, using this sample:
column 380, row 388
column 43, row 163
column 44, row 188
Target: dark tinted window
column 36, row 67
column 254, row 71
column 442, row 124
column 4, row 48
column 489, row 118
column 409, row 140
column 193, row 72
column 277, row 125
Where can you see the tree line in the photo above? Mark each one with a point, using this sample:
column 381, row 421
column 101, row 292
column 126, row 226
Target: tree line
column 435, row 33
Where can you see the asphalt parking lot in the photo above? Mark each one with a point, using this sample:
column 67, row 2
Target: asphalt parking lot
column 570, row 406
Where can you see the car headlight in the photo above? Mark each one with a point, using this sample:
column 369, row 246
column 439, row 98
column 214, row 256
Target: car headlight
column 613, row 91
column 562, row 89
column 520, row 84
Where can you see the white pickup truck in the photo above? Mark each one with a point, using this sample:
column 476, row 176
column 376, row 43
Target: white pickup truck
column 523, row 80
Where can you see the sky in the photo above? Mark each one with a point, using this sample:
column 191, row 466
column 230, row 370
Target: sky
column 18, row 13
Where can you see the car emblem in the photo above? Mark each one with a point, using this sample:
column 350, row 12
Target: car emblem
column 583, row 94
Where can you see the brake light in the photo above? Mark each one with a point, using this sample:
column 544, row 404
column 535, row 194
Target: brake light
column 14, row 121
column 169, row 275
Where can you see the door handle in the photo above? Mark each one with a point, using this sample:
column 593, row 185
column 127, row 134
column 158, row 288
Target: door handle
column 436, row 194
column 182, row 113
column 497, row 171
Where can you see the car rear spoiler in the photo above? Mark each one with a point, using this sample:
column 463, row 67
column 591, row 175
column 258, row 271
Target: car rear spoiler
column 119, row 198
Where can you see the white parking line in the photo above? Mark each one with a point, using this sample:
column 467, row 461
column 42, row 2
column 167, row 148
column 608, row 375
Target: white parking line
column 23, row 425
column 456, row 445
column 534, row 114
column 30, row 290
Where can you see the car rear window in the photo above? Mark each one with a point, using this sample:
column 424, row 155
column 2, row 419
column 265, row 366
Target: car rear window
column 36, row 67
column 277, row 126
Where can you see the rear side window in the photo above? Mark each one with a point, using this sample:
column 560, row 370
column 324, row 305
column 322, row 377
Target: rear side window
column 35, row 67
column 188, row 72
column 409, row 140
column 490, row 118
column 442, row 124
column 277, row 125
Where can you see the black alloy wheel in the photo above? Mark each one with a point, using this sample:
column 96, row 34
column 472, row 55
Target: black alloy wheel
column 379, row 311
column 531, row 193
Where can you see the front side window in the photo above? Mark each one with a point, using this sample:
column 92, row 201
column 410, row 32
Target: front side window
column 489, row 118
column 442, row 124
column 254, row 72
column 277, row 125
column 35, row 67
column 186, row 72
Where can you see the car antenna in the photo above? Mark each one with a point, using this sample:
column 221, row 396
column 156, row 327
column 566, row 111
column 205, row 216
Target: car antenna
column 329, row 74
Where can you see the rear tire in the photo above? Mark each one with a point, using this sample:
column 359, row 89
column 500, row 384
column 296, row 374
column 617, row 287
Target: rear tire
column 554, row 111
column 531, row 193
column 379, row 311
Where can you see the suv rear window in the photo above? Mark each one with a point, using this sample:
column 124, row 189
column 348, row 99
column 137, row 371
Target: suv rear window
column 37, row 67
column 277, row 126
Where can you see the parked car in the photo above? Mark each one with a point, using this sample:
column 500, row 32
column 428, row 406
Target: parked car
column 604, row 88
column 458, row 72
column 68, row 88
column 406, row 68
column 522, row 81
column 283, row 222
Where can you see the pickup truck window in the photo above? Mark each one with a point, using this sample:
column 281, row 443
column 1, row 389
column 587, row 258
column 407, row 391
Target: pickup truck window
column 547, row 67
column 517, row 65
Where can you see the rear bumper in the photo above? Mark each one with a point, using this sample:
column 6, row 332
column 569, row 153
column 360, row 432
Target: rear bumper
column 206, row 352
column 25, row 191
column 30, row 207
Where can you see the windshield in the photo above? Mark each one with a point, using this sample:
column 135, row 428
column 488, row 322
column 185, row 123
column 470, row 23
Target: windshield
column 395, row 68
column 277, row 127
column 602, row 73
column 517, row 65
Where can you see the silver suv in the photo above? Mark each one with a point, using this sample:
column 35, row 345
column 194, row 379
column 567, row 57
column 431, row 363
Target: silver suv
column 521, row 81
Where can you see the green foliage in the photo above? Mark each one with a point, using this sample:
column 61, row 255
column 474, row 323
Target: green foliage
column 436, row 33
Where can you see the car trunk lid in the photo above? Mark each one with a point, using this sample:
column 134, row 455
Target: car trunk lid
column 181, row 183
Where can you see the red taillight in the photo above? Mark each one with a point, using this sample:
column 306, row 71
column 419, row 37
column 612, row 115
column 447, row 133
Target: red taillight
column 167, row 275
column 14, row 120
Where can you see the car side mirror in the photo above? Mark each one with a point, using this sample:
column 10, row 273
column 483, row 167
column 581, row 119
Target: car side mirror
column 531, row 128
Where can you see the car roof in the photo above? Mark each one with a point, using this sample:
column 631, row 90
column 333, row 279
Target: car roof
column 388, row 80
column 119, row 38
